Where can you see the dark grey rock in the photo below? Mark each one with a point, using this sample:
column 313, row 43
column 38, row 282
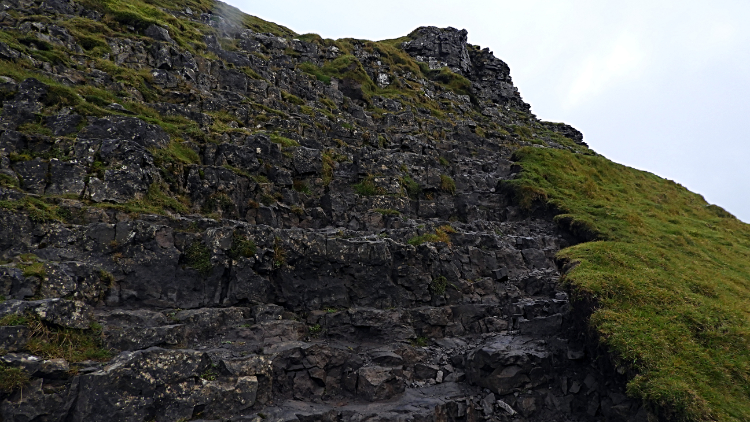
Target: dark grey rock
column 65, row 313
column 158, row 33
column 63, row 124
column 130, row 129
column 13, row 338
column 7, row 53
column 66, row 177
column 33, row 175
column 376, row 383
column 425, row 372
column 440, row 48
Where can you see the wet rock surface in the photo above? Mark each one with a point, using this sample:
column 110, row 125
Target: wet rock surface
column 367, row 265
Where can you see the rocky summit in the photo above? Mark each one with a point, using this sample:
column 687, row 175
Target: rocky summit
column 206, row 216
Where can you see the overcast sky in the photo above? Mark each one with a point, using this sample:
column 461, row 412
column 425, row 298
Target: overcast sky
column 658, row 85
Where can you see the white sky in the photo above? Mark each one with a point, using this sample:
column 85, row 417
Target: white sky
column 658, row 85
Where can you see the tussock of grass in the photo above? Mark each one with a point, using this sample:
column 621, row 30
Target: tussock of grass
column 198, row 257
column 218, row 202
column 449, row 79
column 175, row 152
column 447, row 184
column 67, row 343
column 301, row 186
column 8, row 181
column 283, row 141
column 669, row 275
column 367, row 187
column 313, row 70
column 11, row 379
column 386, row 211
column 440, row 235
column 328, row 166
column 34, row 269
column 279, row 253
column 291, row 98
column 241, row 247
column 438, row 285
column 51, row 342
column 10, row 320
column 411, row 187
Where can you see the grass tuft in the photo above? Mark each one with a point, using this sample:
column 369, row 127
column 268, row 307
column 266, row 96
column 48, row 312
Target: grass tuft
column 367, row 187
column 447, row 184
column 440, row 235
column 283, row 141
column 387, row 211
column 12, row 379
column 279, row 254
column 242, row 247
column 70, row 344
column 438, row 285
column 198, row 257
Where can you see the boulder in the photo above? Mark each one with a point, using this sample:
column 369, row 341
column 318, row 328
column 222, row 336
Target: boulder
column 377, row 383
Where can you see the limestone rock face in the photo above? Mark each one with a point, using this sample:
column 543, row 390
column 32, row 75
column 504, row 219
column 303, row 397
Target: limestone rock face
column 207, row 218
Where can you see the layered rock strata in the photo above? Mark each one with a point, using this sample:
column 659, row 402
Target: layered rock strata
column 327, row 254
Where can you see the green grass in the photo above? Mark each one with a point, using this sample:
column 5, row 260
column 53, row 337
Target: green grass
column 367, row 187
column 12, row 379
column 218, row 202
column 440, row 235
column 67, row 343
column 175, row 152
column 198, row 257
column 348, row 67
column 10, row 320
column 252, row 22
column 438, row 285
column 283, row 141
column 329, row 164
column 156, row 201
column 35, row 128
column 291, row 98
column 386, row 211
column 279, row 254
column 447, row 184
column 140, row 14
column 241, row 247
column 37, row 210
column 448, row 79
column 8, row 181
column 35, row 269
column 420, row 342
column 301, row 186
column 315, row 330
column 668, row 276
column 313, row 70
column 411, row 187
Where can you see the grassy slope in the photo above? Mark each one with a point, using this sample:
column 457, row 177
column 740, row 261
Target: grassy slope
column 670, row 274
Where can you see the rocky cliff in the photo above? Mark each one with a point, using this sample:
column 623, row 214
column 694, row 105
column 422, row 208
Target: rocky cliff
column 205, row 216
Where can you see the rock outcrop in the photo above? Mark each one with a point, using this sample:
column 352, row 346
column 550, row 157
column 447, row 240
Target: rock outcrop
column 275, row 228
